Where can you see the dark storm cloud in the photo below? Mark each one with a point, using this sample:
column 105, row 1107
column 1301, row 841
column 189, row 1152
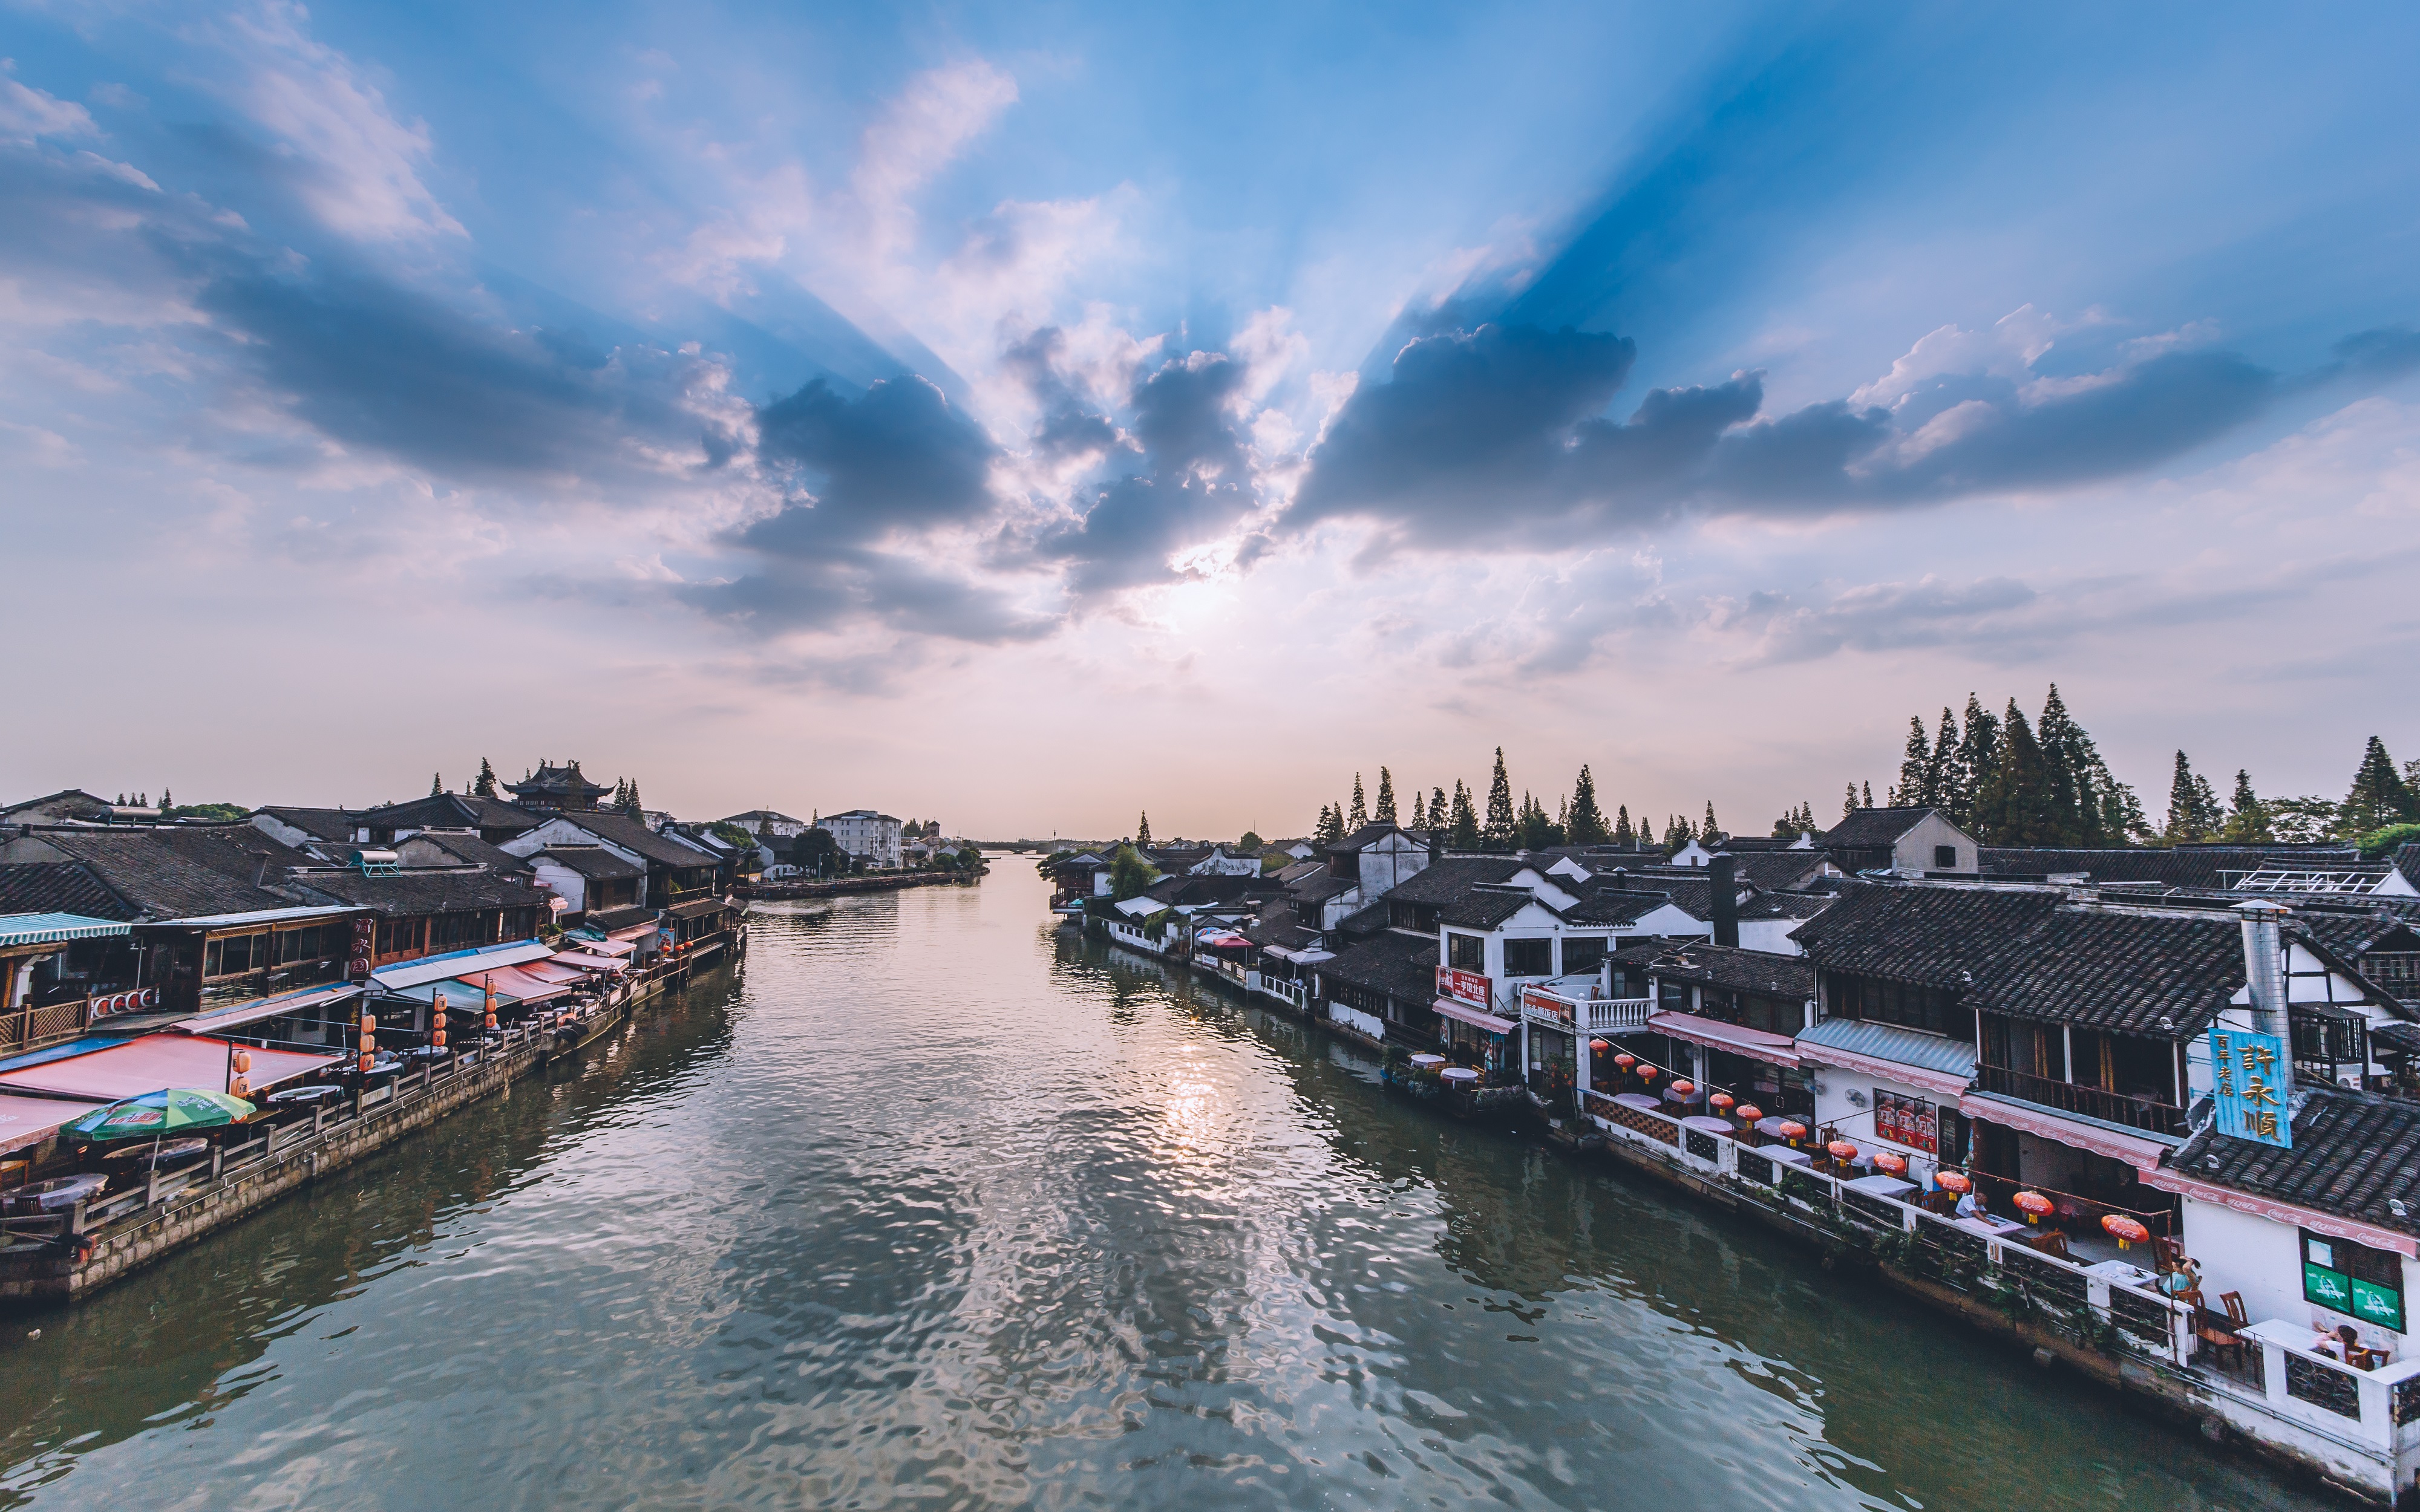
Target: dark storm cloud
column 1196, row 486
column 1071, row 430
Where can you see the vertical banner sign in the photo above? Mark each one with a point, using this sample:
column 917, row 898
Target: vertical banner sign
column 2247, row 1082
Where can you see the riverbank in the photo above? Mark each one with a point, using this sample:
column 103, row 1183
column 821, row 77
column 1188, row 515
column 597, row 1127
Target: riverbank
column 842, row 887
column 2347, row 1431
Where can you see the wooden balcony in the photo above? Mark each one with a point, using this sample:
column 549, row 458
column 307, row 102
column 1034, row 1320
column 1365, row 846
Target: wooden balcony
column 2091, row 1102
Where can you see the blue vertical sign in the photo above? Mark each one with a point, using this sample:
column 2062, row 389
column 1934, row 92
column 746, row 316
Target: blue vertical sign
column 2247, row 1074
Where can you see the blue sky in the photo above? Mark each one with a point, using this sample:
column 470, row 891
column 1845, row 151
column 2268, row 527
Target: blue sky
column 1267, row 394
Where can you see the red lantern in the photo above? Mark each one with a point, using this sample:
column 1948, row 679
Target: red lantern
column 1952, row 1181
column 1792, row 1129
column 1600, row 1046
column 1719, row 1101
column 1751, row 1112
column 2033, row 1205
column 242, row 1061
column 1841, row 1149
column 1625, row 1061
column 1889, row 1164
column 1684, row 1087
column 366, row 1059
column 1647, row 1073
column 2125, row 1230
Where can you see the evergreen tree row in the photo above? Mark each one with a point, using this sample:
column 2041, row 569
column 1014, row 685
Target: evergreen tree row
column 1504, row 823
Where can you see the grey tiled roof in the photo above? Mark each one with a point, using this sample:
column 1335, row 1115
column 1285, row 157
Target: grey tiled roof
column 448, row 811
column 476, row 852
column 1942, row 935
column 1441, row 881
column 632, row 836
column 593, row 862
column 2182, row 866
column 1484, row 908
column 1785, row 904
column 320, row 823
column 1402, row 968
column 2353, row 1154
column 58, row 888
column 1872, row 826
column 180, row 871
column 1738, row 970
column 416, row 890
column 1888, row 1041
column 2135, row 972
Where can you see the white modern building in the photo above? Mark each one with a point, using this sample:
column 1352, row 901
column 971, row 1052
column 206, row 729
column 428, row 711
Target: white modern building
column 871, row 836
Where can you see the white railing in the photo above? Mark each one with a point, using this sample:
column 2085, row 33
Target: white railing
column 1614, row 1014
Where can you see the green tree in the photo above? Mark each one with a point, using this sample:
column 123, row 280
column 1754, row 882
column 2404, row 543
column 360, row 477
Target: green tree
column 1943, row 774
column 2194, row 811
column 2247, row 817
column 1584, row 822
column 1332, row 824
column 1385, row 813
column 1464, row 816
column 1849, row 803
column 485, row 787
column 1711, row 832
column 1130, row 875
column 1677, row 832
column 436, row 785
column 1359, row 814
column 1251, row 844
column 1914, row 788
column 2378, row 797
column 1501, row 819
column 1979, row 756
column 1142, row 830
column 1537, row 831
column 2013, row 807
column 1439, row 815
column 631, row 803
column 1623, row 833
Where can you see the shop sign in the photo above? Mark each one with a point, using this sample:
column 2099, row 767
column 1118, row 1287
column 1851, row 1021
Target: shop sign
column 2248, row 1085
column 1465, row 987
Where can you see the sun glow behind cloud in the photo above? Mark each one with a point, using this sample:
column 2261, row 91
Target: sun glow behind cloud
column 828, row 422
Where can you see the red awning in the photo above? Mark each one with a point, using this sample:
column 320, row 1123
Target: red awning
column 29, row 1121
column 156, row 1061
column 1477, row 1018
column 1773, row 1049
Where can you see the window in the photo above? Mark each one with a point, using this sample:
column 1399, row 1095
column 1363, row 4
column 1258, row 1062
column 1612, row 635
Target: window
column 1465, row 952
column 1528, row 958
column 1583, row 952
column 2355, row 1279
column 235, row 955
column 1905, row 1120
column 1932, row 1009
column 1944, row 859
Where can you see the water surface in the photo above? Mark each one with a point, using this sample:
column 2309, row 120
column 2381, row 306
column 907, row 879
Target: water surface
column 937, row 1208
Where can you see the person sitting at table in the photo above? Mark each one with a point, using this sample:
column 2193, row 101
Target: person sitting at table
column 1969, row 1205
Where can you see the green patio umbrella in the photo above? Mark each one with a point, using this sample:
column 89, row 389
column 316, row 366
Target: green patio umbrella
column 157, row 1115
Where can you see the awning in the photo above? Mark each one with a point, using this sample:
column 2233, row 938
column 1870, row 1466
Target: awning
column 268, row 1007
column 1477, row 1018
column 156, row 1061
column 554, row 971
column 454, row 963
column 2140, row 1151
column 1301, row 958
column 633, row 934
column 1774, row 1049
column 1940, row 1083
column 469, row 993
column 29, row 1121
column 2171, row 1180
column 54, row 929
column 613, row 948
column 593, row 961
column 697, row 909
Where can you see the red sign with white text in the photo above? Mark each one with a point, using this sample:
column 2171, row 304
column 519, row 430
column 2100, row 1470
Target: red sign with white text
column 1465, row 986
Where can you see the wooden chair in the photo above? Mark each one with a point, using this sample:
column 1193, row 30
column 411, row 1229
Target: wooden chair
column 2233, row 1302
column 2050, row 1241
column 2168, row 1254
column 2217, row 1331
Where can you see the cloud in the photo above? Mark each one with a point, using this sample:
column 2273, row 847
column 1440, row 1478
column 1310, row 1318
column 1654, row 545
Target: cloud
column 925, row 127
column 26, row 113
column 1871, row 617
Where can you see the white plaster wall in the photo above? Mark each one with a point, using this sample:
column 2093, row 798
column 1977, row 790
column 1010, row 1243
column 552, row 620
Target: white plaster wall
column 1770, row 935
column 2241, row 1252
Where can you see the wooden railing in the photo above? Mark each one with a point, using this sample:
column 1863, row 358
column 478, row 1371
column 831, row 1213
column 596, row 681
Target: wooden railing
column 30, row 1026
column 2068, row 1097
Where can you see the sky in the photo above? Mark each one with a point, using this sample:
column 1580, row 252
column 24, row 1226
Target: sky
column 1031, row 415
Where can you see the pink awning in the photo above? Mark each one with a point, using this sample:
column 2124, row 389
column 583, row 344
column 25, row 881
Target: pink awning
column 515, row 981
column 590, row 962
column 2143, row 1153
column 631, row 933
column 29, row 1121
column 609, row 948
column 1476, row 1018
column 1774, row 1049
column 156, row 1061
column 554, row 971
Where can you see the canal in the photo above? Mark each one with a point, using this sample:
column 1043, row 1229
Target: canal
column 939, row 1207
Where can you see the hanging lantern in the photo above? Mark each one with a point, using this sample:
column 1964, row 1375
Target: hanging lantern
column 242, row 1061
column 1647, row 1072
column 1888, row 1164
column 2033, row 1205
column 437, row 1036
column 1751, row 1113
column 366, row 1059
column 1684, row 1087
column 1719, row 1101
column 1952, row 1181
column 241, row 1086
column 1625, row 1061
column 1841, row 1149
column 1600, row 1046
column 1792, row 1129
column 2125, row 1230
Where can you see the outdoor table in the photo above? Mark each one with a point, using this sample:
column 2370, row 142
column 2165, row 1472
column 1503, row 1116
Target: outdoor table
column 426, row 1052
column 1638, row 1100
column 60, row 1192
column 1880, row 1186
column 1459, row 1075
column 1787, row 1155
column 1698, row 1121
column 182, row 1148
column 1992, row 1225
column 1771, row 1124
column 2134, row 1275
column 1427, row 1062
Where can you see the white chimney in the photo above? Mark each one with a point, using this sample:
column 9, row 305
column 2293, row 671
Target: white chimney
column 2264, row 965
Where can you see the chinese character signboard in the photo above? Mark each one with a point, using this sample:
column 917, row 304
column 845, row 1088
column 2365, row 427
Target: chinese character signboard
column 2247, row 1074
column 1542, row 1005
column 1465, row 986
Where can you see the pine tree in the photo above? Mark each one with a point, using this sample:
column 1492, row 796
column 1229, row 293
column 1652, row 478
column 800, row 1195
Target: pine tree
column 2193, row 813
column 1979, row 756
column 1359, row 814
column 1500, row 818
column 485, row 786
column 621, row 794
column 2068, row 763
column 1914, row 787
column 1385, row 813
column 1849, row 803
column 630, row 804
column 1712, row 832
column 1584, row 822
column 166, row 802
column 436, row 784
column 2013, row 805
column 1142, row 830
column 1465, row 819
column 2378, row 797
column 1941, row 768
column 1623, row 834
column 1439, row 815
column 1866, row 800
column 2247, row 818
